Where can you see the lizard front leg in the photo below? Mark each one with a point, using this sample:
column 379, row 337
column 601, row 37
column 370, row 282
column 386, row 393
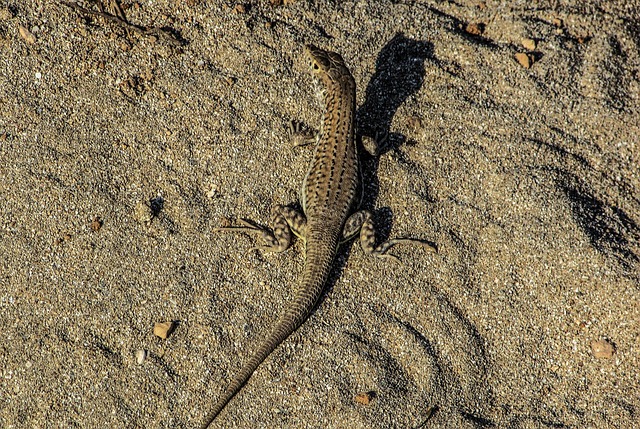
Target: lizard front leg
column 301, row 135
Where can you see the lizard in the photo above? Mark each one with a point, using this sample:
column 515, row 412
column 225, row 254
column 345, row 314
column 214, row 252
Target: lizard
column 328, row 196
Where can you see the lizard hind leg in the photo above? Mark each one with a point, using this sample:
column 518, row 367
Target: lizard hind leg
column 362, row 222
column 286, row 222
column 294, row 220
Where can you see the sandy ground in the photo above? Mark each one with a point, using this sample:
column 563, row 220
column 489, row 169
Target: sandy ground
column 121, row 150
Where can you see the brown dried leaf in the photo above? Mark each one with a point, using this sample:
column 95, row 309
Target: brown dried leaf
column 96, row 224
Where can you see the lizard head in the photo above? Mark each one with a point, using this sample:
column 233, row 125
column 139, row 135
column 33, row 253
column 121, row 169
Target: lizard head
column 329, row 67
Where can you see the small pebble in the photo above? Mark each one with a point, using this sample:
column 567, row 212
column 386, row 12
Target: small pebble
column 525, row 60
column 475, row 29
column 212, row 192
column 26, row 35
column 142, row 212
column 163, row 329
column 141, row 355
column 414, row 122
column 529, row 44
column 602, row 349
column 365, row 398
column 96, row 224
column 225, row 222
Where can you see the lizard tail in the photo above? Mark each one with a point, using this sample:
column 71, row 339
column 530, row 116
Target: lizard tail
column 284, row 327
column 296, row 313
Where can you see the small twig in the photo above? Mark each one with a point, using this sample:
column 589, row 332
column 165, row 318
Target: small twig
column 115, row 9
column 154, row 31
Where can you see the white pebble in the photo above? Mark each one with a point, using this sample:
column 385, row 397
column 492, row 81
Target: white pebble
column 141, row 355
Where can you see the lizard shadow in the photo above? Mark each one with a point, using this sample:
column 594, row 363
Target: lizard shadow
column 399, row 74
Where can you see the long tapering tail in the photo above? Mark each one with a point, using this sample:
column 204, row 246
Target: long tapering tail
column 313, row 280
column 284, row 327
